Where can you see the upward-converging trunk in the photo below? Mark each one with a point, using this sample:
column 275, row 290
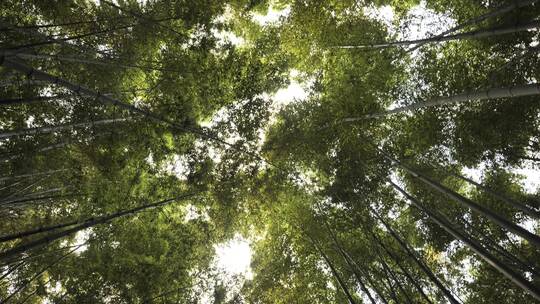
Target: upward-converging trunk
column 6, row 255
column 349, row 263
column 30, row 175
column 522, row 207
column 37, row 275
column 444, row 223
column 50, row 129
column 494, row 217
column 461, row 36
column 79, row 89
column 27, row 100
column 413, row 255
column 336, row 275
column 479, row 19
column 365, row 274
column 492, row 93
column 106, row 63
column 404, row 270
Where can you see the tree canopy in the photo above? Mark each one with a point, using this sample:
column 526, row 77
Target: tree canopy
column 138, row 136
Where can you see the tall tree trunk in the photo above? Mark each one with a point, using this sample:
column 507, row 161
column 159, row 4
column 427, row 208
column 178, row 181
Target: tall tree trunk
column 349, row 264
column 333, row 270
column 373, row 285
column 390, row 275
column 44, row 149
column 27, row 100
column 91, row 61
column 89, row 223
column 416, row 259
column 14, row 236
column 522, row 207
column 401, row 267
column 21, row 202
column 494, row 217
column 30, row 175
column 444, row 223
column 11, row 270
column 144, row 18
column 492, row 93
column 78, row 89
column 63, row 41
column 476, row 20
column 50, row 129
column 461, row 36
column 37, row 275
column 494, row 246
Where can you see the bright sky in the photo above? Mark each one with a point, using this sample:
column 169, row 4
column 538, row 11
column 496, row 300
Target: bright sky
column 235, row 257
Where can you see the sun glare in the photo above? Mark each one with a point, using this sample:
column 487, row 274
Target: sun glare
column 235, row 257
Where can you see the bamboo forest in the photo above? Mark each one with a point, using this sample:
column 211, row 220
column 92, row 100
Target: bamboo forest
column 270, row 151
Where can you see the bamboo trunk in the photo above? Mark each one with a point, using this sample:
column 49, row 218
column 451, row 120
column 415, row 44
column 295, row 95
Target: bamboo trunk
column 88, row 61
column 461, row 36
column 402, row 268
column 508, row 92
column 349, row 264
column 6, row 255
column 333, row 270
column 37, row 275
column 27, row 100
column 78, row 89
column 494, row 217
column 480, row 18
column 446, row 225
column 522, row 207
column 6, row 178
column 50, row 129
column 420, row 263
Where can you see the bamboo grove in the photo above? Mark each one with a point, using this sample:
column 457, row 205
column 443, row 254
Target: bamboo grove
column 136, row 136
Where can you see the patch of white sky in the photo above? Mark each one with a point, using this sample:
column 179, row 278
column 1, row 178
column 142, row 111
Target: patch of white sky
column 420, row 22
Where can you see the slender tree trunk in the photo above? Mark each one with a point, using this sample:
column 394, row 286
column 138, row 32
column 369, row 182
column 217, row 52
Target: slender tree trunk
column 333, row 270
column 44, row 149
column 387, row 268
column 27, row 100
column 349, row 264
column 12, row 197
column 474, row 21
column 447, row 226
column 30, row 257
column 374, row 286
column 78, row 89
column 14, row 236
column 508, row 92
column 11, row 269
column 416, row 259
column 522, row 207
column 25, row 82
column 63, row 41
column 490, row 243
column 89, row 223
column 494, row 217
column 50, row 129
column 144, row 18
column 43, row 26
column 401, row 267
column 91, row 61
column 387, row 276
column 461, row 36
column 37, row 275
column 30, row 175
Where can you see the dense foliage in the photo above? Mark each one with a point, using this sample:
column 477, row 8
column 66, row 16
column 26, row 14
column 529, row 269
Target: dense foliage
column 135, row 136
